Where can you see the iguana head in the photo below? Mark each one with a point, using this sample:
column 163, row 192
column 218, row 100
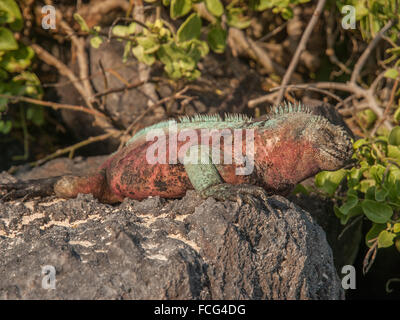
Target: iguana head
column 312, row 140
column 332, row 143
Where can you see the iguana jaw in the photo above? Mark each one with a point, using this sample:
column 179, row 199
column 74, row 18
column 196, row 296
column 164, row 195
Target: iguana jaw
column 332, row 142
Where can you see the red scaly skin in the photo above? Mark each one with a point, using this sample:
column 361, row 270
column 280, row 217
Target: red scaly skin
column 282, row 159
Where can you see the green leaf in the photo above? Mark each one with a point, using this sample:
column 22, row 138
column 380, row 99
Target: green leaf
column 190, row 29
column 396, row 115
column 381, row 194
column 5, row 126
column 82, row 23
column 393, row 152
column 377, row 212
column 198, row 49
column 373, row 233
column 127, row 49
column 261, row 5
column 215, row 7
column 10, row 13
column 217, row 39
column 17, row 60
column 177, row 62
column 329, row 180
column 338, row 214
column 397, row 244
column 3, row 74
column 36, row 115
column 354, row 177
column 391, row 73
column 235, row 19
column 287, row 13
column 7, row 41
column 139, row 53
column 367, row 118
column 353, row 212
column 396, row 227
column 96, row 41
column 120, row 31
column 29, row 83
column 179, row 8
column 385, row 239
column 149, row 43
column 300, row 189
column 394, row 136
column 3, row 105
column 350, row 203
column 377, row 171
column 359, row 143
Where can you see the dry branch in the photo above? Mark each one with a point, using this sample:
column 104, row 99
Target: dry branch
column 363, row 58
column 55, row 105
column 300, row 48
column 123, row 88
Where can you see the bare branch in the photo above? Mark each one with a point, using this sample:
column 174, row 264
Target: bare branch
column 300, row 48
column 113, row 90
column 363, row 58
column 55, row 105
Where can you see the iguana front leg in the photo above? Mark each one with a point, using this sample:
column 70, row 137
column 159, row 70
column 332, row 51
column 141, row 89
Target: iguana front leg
column 206, row 180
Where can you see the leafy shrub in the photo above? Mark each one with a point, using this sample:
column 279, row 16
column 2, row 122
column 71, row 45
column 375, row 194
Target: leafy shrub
column 15, row 61
column 372, row 188
column 180, row 51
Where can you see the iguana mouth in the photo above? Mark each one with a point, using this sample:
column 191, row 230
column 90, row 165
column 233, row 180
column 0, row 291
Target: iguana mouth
column 340, row 148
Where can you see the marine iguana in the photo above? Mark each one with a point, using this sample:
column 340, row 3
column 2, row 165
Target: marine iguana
column 290, row 145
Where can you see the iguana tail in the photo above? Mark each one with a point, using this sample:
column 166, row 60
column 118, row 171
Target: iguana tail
column 28, row 189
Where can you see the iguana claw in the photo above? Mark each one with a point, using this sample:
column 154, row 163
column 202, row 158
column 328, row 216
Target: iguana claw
column 241, row 193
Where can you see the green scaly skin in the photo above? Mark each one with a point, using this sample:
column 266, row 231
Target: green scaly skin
column 289, row 146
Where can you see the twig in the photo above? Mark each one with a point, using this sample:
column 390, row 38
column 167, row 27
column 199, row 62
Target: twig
column 363, row 58
column 72, row 148
column 389, row 104
column 114, row 133
column 126, row 87
column 347, row 87
column 375, row 83
column 237, row 38
column 125, row 20
column 46, row 57
column 300, row 48
column 301, row 87
column 61, row 67
column 352, row 223
column 103, row 72
column 273, row 32
column 143, row 69
column 330, row 42
column 370, row 256
column 55, row 105
column 266, row 98
column 83, row 63
column 79, row 43
column 150, row 108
